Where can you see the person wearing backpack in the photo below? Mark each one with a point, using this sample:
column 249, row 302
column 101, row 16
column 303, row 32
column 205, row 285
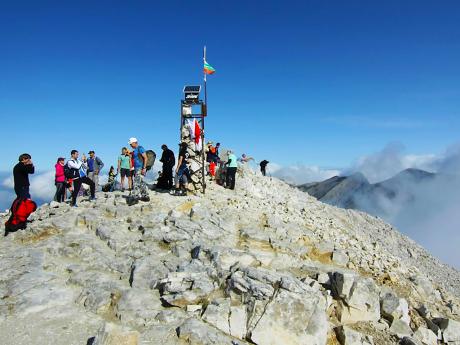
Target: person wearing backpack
column 139, row 191
column 95, row 165
column 21, row 173
column 59, row 180
column 76, row 170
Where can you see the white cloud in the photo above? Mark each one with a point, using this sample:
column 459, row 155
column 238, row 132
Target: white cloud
column 41, row 185
column 391, row 160
column 299, row 173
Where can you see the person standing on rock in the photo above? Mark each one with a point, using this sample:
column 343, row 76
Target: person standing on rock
column 232, row 166
column 95, row 165
column 168, row 159
column 263, row 167
column 78, row 176
column 59, row 180
column 21, row 173
column 182, row 172
column 124, row 167
column 139, row 191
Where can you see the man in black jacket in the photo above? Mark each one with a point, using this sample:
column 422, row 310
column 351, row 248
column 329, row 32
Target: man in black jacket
column 263, row 167
column 168, row 160
column 21, row 173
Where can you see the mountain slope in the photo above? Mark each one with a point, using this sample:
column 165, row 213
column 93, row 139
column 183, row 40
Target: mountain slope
column 254, row 265
column 356, row 192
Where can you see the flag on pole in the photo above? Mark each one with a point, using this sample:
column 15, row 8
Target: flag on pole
column 197, row 132
column 208, row 69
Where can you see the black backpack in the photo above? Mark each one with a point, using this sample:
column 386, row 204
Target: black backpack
column 68, row 173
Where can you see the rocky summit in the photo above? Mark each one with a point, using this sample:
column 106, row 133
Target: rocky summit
column 264, row 264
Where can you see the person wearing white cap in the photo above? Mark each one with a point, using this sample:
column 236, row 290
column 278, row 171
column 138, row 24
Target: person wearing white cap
column 139, row 191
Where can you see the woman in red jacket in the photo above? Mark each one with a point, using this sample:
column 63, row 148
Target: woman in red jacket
column 59, row 180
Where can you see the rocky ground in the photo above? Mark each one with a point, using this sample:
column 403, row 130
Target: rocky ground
column 264, row 264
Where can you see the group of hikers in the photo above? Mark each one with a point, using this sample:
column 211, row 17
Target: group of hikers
column 132, row 166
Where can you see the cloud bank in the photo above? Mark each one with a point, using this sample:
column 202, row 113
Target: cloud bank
column 299, row 173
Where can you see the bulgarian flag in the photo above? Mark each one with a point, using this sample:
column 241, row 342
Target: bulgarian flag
column 208, row 69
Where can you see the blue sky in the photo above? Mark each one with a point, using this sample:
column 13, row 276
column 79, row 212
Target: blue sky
column 311, row 82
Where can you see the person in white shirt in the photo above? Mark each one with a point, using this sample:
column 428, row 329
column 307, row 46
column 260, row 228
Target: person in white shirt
column 78, row 171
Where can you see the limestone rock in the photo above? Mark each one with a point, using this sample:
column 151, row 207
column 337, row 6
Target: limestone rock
column 393, row 307
column 309, row 327
column 450, row 330
column 111, row 334
column 425, row 336
column 359, row 298
column 274, row 266
column 348, row 336
column 400, row 328
column 196, row 332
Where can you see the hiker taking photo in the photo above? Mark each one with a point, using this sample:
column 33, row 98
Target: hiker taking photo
column 21, row 173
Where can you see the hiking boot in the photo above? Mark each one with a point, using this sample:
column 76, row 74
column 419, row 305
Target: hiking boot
column 145, row 198
column 93, row 198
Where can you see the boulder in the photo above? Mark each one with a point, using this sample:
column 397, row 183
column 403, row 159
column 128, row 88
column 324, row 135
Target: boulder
column 309, row 326
column 426, row 336
column 111, row 334
column 348, row 336
column 400, row 328
column 393, row 307
column 358, row 298
column 196, row 332
column 450, row 330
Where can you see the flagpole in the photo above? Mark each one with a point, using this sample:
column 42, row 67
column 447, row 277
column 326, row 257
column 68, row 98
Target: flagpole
column 202, row 124
column 205, row 90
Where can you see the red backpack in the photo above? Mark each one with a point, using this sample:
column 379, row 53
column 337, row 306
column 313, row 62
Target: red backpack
column 20, row 210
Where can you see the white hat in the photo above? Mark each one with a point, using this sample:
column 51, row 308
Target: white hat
column 132, row 140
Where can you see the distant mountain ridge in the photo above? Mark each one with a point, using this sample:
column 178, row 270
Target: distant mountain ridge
column 356, row 192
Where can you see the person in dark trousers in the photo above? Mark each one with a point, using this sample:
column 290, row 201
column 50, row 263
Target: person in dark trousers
column 216, row 153
column 168, row 159
column 182, row 172
column 21, row 173
column 78, row 169
column 263, row 167
column 59, row 180
column 232, row 166
column 95, row 166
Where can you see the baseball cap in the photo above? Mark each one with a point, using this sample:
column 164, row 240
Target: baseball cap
column 90, row 152
column 132, row 140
